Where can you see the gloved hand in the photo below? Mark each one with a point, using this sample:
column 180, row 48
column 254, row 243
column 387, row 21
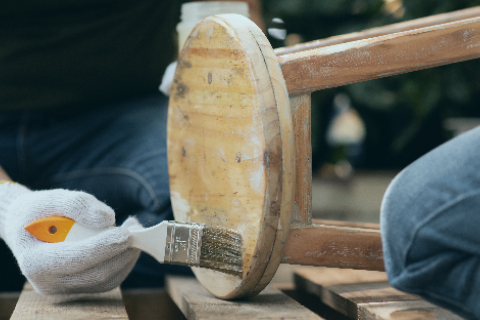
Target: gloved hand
column 96, row 264
column 167, row 79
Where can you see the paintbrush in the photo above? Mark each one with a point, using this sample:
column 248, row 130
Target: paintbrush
column 171, row 242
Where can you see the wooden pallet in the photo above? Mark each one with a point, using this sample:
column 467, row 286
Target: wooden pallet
column 141, row 304
column 365, row 295
column 186, row 292
column 197, row 303
column 356, row 294
column 32, row 305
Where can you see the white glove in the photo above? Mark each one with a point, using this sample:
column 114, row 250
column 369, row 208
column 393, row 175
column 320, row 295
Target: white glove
column 96, row 264
column 167, row 79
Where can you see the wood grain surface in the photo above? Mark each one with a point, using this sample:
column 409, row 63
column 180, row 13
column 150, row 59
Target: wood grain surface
column 231, row 146
column 197, row 303
column 334, row 246
column 381, row 56
column 33, row 305
column 403, row 310
column 361, row 294
column 301, row 115
column 383, row 30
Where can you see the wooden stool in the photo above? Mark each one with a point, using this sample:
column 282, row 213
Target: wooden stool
column 239, row 135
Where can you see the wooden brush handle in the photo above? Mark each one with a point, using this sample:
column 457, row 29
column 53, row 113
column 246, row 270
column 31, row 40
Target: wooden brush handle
column 335, row 244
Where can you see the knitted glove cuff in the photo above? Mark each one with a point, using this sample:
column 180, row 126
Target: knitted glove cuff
column 9, row 192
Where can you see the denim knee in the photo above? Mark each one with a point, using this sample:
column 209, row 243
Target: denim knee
column 430, row 220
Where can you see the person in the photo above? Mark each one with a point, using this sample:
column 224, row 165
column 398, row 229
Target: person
column 83, row 135
column 430, row 226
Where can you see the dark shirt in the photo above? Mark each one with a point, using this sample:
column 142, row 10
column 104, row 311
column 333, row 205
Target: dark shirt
column 70, row 55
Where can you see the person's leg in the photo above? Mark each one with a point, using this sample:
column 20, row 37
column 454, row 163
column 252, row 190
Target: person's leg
column 118, row 154
column 430, row 222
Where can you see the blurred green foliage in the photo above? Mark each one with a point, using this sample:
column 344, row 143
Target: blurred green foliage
column 403, row 114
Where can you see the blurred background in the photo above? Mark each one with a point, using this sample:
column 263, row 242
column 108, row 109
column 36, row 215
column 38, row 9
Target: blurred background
column 364, row 133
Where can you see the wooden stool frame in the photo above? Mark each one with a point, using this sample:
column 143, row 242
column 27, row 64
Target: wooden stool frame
column 239, row 135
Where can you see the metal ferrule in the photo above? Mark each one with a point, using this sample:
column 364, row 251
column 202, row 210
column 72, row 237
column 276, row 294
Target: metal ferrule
column 184, row 243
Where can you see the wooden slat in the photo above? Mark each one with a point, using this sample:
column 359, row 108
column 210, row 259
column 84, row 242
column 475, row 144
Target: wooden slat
column 334, row 246
column 302, row 209
column 197, row 303
column 361, row 294
column 413, row 309
column 382, row 56
column 32, row 305
column 380, row 31
column 332, row 285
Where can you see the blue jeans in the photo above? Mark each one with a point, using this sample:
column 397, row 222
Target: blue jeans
column 117, row 153
column 430, row 222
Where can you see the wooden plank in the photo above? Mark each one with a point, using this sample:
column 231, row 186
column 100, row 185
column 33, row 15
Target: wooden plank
column 301, row 114
column 382, row 56
column 145, row 304
column 344, row 289
column 412, row 309
column 361, row 294
column 333, row 287
column 334, row 246
column 33, row 305
column 383, row 30
column 197, row 303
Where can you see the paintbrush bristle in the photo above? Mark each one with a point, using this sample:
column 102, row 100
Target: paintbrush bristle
column 222, row 250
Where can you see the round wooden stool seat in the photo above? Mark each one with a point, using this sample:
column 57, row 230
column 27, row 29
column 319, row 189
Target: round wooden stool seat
column 231, row 146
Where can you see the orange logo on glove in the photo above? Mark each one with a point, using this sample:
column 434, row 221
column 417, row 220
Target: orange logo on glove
column 51, row 229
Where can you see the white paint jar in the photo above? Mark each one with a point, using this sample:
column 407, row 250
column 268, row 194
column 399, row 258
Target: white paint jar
column 194, row 12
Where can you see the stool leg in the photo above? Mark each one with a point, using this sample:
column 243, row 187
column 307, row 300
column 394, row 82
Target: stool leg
column 334, row 246
column 301, row 114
